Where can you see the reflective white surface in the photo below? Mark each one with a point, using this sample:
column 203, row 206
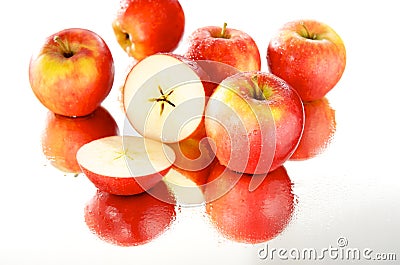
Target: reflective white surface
column 350, row 191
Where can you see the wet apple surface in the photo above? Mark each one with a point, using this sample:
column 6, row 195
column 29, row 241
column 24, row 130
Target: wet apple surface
column 337, row 193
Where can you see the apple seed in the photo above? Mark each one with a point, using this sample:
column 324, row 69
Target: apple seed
column 163, row 98
column 122, row 154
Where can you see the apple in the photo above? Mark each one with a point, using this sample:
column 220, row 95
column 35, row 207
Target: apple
column 248, row 216
column 130, row 220
column 216, row 72
column 164, row 98
column 63, row 136
column 254, row 121
column 125, row 165
column 145, row 27
column 309, row 55
column 72, row 72
column 319, row 129
column 225, row 45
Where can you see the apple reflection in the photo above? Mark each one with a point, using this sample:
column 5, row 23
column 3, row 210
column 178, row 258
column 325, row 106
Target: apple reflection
column 190, row 171
column 63, row 136
column 250, row 216
column 319, row 129
column 131, row 220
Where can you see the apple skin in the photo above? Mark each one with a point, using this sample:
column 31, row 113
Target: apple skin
column 145, row 27
column 235, row 47
column 130, row 220
column 63, row 136
column 73, row 76
column 254, row 121
column 249, row 216
column 309, row 55
column 125, row 186
column 319, row 129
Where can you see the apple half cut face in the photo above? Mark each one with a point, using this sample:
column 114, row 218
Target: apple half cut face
column 125, row 165
column 164, row 98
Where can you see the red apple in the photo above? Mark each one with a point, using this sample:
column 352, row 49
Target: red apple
column 216, row 72
column 125, row 165
column 164, row 98
column 225, row 45
column 309, row 55
column 145, row 27
column 319, row 129
column 249, row 216
column 72, row 72
column 130, row 220
column 254, row 121
column 63, row 136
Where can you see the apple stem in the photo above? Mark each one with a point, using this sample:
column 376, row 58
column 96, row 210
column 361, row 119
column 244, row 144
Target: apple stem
column 308, row 35
column 66, row 50
column 223, row 31
column 256, row 90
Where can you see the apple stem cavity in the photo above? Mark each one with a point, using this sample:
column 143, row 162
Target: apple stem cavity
column 65, row 49
column 260, row 93
column 163, row 99
column 307, row 33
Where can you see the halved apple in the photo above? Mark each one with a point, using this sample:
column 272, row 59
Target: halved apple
column 164, row 97
column 125, row 165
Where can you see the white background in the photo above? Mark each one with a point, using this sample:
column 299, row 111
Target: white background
column 350, row 190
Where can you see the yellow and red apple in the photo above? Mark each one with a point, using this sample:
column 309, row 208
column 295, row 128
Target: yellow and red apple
column 72, row 72
column 63, row 136
column 309, row 55
column 225, row 45
column 254, row 121
column 249, row 216
column 145, row 27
